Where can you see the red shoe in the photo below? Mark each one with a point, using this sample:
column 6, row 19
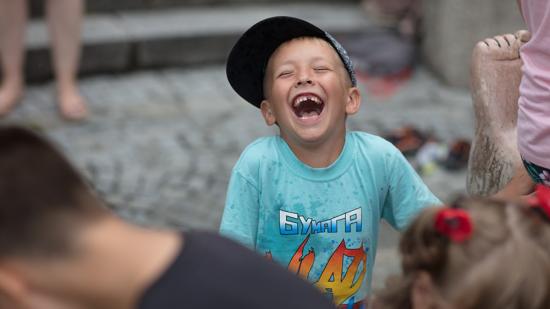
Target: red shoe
column 407, row 139
column 459, row 153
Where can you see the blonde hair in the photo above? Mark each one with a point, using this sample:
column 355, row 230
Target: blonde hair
column 505, row 263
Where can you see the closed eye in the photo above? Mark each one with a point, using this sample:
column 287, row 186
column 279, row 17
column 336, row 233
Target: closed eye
column 285, row 74
column 321, row 69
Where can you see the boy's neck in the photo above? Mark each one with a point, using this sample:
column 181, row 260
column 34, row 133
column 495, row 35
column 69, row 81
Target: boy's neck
column 318, row 155
column 141, row 255
column 119, row 262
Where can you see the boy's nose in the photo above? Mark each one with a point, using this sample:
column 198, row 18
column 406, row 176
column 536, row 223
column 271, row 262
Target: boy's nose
column 304, row 81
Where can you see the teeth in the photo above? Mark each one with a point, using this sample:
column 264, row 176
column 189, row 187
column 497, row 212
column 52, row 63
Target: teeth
column 301, row 99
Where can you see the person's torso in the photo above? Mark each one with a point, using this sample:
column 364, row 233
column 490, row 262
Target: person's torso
column 534, row 102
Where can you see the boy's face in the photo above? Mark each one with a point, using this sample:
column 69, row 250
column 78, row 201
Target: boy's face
column 308, row 92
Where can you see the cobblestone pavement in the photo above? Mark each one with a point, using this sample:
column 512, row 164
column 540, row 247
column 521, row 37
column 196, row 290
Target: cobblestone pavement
column 160, row 145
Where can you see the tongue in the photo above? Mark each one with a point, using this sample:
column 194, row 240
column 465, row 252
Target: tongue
column 308, row 109
column 309, row 114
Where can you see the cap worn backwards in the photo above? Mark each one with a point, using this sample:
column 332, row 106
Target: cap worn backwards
column 248, row 59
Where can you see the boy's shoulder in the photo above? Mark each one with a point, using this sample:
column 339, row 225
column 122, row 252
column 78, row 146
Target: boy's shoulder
column 261, row 149
column 376, row 151
column 373, row 144
column 367, row 137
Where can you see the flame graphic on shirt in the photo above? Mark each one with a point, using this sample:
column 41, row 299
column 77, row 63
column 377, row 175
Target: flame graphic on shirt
column 333, row 280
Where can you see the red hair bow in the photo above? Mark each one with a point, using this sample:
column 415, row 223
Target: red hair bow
column 454, row 223
column 541, row 200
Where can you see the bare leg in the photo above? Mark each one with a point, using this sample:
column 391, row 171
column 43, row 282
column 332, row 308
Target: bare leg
column 495, row 78
column 13, row 19
column 64, row 22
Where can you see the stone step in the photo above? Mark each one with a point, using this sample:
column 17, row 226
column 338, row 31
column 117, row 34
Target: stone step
column 130, row 40
column 102, row 6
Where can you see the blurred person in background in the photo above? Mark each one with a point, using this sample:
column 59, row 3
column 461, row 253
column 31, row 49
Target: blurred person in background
column 404, row 14
column 64, row 23
column 533, row 105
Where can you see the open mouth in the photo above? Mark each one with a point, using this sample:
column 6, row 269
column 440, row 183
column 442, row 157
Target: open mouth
column 307, row 105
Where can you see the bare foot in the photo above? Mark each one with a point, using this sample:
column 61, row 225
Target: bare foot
column 10, row 95
column 72, row 105
column 495, row 78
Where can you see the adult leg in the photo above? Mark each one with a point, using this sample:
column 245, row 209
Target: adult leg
column 13, row 20
column 64, row 22
column 495, row 77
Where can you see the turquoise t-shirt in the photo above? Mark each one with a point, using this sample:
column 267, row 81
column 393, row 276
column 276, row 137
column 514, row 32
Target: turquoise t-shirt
column 322, row 223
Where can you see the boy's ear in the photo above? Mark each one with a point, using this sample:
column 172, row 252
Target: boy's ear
column 267, row 113
column 354, row 101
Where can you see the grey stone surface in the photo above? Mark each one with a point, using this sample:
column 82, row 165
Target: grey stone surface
column 96, row 58
column 107, row 58
column 95, row 6
column 96, row 29
column 451, row 29
column 184, row 51
column 159, row 145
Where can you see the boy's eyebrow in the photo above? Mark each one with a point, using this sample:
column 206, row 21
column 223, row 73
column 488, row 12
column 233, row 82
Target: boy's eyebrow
column 286, row 62
column 317, row 58
column 314, row 59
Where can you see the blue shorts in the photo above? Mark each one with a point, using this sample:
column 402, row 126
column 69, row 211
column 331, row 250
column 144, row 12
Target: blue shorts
column 539, row 174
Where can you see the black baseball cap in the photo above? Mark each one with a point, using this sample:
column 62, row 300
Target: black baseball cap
column 248, row 59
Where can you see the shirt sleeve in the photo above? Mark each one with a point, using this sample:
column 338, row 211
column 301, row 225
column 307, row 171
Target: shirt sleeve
column 240, row 216
column 407, row 194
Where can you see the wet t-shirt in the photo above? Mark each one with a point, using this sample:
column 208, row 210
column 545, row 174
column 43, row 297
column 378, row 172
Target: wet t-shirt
column 322, row 223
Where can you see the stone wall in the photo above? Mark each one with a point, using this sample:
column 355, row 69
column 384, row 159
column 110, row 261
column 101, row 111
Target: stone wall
column 452, row 27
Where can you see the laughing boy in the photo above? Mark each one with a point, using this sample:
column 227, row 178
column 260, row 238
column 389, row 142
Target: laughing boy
column 312, row 197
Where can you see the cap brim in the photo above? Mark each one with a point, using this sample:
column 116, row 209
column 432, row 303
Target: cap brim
column 248, row 58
